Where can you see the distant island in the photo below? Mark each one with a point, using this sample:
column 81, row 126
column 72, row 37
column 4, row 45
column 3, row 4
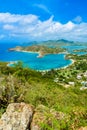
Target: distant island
column 40, row 49
column 80, row 50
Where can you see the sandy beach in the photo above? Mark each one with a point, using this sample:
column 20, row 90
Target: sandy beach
column 39, row 54
column 12, row 62
column 58, row 68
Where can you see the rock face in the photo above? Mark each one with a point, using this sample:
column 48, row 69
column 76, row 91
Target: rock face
column 22, row 116
column 18, row 116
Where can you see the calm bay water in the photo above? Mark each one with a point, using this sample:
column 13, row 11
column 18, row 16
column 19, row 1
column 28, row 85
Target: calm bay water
column 51, row 61
column 71, row 48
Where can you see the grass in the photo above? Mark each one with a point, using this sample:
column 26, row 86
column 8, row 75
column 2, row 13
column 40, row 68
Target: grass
column 19, row 84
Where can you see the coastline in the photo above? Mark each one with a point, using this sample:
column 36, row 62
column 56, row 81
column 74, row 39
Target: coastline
column 72, row 62
column 12, row 62
column 27, row 51
column 40, row 56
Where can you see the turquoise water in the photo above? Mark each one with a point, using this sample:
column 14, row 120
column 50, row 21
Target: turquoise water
column 71, row 48
column 51, row 61
column 30, row 60
column 80, row 53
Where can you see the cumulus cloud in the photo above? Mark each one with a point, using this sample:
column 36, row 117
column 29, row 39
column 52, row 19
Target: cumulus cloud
column 13, row 18
column 30, row 27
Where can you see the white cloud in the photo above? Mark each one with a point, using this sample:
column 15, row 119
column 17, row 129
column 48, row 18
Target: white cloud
column 13, row 18
column 78, row 19
column 43, row 7
column 30, row 27
column 8, row 27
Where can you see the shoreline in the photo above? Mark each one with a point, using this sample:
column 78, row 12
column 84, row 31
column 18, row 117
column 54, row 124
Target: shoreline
column 40, row 56
column 72, row 62
column 11, row 62
column 39, row 53
column 27, row 51
column 58, row 68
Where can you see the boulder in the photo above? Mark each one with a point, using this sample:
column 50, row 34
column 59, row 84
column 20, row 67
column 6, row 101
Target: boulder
column 22, row 116
column 18, row 116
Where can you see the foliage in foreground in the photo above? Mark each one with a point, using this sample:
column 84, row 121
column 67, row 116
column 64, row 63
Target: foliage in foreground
column 19, row 84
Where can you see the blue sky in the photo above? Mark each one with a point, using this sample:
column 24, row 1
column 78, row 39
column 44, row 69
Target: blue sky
column 26, row 20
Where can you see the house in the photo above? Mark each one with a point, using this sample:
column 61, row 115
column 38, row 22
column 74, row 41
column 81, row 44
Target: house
column 71, row 83
column 85, row 74
column 79, row 77
column 84, row 85
column 56, row 80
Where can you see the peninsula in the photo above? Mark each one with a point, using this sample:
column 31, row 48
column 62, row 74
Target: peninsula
column 40, row 49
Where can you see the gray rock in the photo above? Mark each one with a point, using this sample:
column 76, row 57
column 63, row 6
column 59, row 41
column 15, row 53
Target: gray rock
column 18, row 116
column 21, row 116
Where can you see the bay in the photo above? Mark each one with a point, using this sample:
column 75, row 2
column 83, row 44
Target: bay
column 30, row 60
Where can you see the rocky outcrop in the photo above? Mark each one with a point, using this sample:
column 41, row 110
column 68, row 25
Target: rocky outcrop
column 18, row 116
column 21, row 116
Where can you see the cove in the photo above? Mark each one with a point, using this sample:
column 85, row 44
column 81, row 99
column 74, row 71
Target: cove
column 30, row 60
column 48, row 62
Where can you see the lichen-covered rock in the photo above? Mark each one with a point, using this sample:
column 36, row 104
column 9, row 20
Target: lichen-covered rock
column 18, row 116
column 21, row 116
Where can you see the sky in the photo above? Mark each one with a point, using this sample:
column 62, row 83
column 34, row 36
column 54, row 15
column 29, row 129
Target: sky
column 41, row 20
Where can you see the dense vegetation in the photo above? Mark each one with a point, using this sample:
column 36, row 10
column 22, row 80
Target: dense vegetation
column 19, row 84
